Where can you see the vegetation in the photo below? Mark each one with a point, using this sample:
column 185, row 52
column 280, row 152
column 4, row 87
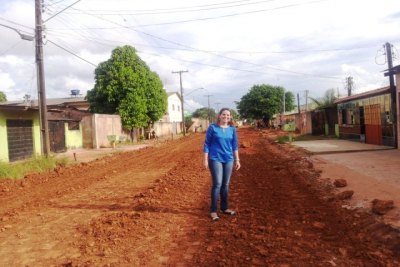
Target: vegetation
column 3, row 97
column 124, row 84
column 264, row 101
column 235, row 115
column 327, row 100
column 188, row 121
column 204, row 113
column 36, row 164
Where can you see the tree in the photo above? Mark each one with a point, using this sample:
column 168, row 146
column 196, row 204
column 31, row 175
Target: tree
column 327, row 100
column 204, row 113
column 263, row 101
column 124, row 84
column 3, row 97
column 235, row 115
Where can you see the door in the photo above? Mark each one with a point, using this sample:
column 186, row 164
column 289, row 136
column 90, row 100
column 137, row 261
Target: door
column 20, row 139
column 373, row 129
column 57, row 136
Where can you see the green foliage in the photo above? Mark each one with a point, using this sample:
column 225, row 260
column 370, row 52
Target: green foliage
column 36, row 164
column 188, row 121
column 235, row 115
column 124, row 84
column 327, row 100
column 263, row 101
column 204, row 113
column 3, row 97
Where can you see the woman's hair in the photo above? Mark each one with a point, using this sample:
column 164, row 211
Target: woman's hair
column 231, row 122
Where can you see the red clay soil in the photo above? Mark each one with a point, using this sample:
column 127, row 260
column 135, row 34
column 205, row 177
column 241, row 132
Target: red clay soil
column 151, row 208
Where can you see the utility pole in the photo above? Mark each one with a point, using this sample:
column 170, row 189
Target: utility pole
column 217, row 106
column 306, row 100
column 388, row 47
column 284, row 102
column 349, row 85
column 209, row 115
column 182, row 109
column 298, row 103
column 44, row 127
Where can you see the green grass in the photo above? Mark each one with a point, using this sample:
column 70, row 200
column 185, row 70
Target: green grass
column 36, row 164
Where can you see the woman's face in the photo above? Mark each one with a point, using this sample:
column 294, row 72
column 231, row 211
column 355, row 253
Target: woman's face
column 225, row 116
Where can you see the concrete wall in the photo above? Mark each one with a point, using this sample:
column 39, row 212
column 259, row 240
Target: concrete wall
column 302, row 121
column 397, row 78
column 167, row 128
column 18, row 115
column 73, row 138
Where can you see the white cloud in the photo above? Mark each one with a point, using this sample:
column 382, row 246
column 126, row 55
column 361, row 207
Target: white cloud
column 293, row 43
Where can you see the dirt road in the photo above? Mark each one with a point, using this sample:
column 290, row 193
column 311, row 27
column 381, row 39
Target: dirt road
column 150, row 208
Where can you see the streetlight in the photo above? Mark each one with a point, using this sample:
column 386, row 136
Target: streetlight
column 194, row 91
column 22, row 35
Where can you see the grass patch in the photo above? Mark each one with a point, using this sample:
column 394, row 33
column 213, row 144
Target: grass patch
column 36, row 164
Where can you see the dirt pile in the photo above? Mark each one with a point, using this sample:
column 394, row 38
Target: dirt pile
column 150, row 208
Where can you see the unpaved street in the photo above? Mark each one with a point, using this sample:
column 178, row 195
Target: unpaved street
column 150, row 208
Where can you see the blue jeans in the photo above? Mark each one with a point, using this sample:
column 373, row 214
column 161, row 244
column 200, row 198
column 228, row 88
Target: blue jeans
column 221, row 175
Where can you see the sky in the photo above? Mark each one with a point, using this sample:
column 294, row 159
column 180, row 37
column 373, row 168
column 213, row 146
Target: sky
column 225, row 46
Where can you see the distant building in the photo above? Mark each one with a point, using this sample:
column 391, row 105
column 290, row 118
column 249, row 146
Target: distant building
column 174, row 111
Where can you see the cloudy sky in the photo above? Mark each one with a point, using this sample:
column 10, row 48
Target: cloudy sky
column 226, row 46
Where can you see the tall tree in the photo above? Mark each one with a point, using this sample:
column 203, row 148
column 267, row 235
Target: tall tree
column 204, row 113
column 3, row 97
column 263, row 101
column 124, row 84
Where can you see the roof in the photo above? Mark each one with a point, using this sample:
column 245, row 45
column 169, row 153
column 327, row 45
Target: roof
column 393, row 70
column 375, row 92
column 172, row 93
column 77, row 102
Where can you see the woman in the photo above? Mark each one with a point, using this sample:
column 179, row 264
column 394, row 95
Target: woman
column 220, row 154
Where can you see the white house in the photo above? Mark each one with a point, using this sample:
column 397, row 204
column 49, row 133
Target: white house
column 174, row 113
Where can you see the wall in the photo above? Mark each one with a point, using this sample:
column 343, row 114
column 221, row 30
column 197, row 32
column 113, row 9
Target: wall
column 175, row 115
column 15, row 115
column 167, row 128
column 302, row 121
column 73, row 138
column 397, row 77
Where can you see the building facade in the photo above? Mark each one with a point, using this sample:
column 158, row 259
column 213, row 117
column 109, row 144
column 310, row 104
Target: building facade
column 367, row 117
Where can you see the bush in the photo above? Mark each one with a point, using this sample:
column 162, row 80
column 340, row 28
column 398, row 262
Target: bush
column 36, row 164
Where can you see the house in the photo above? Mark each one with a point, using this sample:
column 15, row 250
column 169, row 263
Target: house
column 20, row 127
column 174, row 111
column 367, row 117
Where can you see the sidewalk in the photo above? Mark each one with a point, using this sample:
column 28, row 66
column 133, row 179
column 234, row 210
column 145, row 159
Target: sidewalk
column 86, row 155
column 337, row 146
column 372, row 172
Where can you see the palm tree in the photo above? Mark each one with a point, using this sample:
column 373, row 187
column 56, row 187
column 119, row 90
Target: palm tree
column 327, row 101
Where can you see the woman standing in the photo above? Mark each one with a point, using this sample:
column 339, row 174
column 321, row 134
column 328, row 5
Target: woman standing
column 220, row 154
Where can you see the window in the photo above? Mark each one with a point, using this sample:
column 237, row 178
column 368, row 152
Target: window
column 173, row 107
column 344, row 116
column 73, row 125
column 179, row 108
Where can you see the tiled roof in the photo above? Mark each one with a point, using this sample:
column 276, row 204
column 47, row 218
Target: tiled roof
column 379, row 91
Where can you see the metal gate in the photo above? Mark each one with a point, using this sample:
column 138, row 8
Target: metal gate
column 20, row 139
column 373, row 129
column 57, row 136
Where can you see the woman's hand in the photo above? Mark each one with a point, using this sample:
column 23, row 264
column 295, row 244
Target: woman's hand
column 205, row 163
column 237, row 164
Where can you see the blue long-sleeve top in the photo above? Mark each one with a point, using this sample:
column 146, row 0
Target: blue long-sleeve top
column 220, row 143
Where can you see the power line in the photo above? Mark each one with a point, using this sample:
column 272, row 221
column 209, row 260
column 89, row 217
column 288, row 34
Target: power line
column 175, row 8
column 171, row 11
column 72, row 53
